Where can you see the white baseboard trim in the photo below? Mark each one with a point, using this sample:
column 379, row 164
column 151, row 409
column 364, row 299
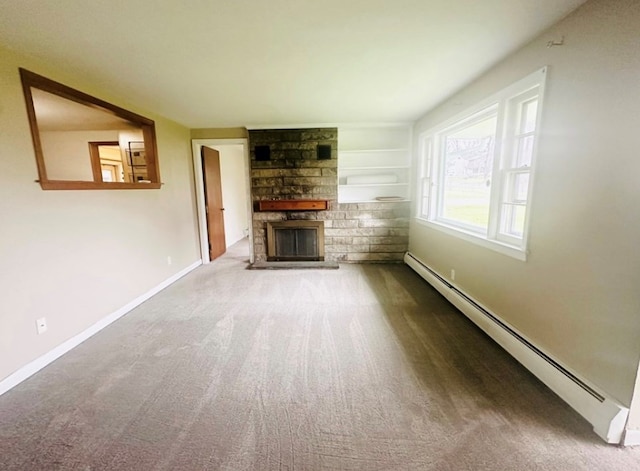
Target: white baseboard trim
column 631, row 438
column 36, row 365
column 607, row 416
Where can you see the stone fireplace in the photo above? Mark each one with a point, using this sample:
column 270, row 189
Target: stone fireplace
column 292, row 166
column 294, row 178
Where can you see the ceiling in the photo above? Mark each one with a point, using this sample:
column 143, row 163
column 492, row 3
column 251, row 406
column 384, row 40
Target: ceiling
column 221, row 63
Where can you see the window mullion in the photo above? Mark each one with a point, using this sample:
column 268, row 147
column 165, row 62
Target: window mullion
column 438, row 172
column 423, row 177
column 497, row 177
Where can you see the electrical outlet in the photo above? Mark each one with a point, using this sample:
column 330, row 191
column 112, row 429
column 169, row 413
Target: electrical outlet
column 453, row 274
column 169, row 260
column 41, row 325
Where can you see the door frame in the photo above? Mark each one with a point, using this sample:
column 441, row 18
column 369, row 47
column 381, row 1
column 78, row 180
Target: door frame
column 96, row 163
column 196, row 145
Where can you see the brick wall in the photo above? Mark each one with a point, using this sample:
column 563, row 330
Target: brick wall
column 354, row 232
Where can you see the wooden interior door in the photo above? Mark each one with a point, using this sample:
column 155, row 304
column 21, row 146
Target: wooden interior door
column 213, row 202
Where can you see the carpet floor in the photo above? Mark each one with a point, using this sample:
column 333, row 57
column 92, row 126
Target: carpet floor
column 361, row 368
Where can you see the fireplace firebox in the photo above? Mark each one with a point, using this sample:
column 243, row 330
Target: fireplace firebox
column 295, row 241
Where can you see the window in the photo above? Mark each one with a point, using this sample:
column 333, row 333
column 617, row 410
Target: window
column 476, row 170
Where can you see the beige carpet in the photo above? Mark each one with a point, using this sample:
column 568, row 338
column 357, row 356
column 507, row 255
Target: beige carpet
column 361, row 368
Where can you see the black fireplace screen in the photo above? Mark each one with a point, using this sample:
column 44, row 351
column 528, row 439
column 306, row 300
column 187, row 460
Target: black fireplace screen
column 290, row 241
column 296, row 243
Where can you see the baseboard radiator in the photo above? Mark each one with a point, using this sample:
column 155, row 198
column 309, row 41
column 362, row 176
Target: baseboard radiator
column 606, row 415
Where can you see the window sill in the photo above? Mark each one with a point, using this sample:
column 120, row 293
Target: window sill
column 496, row 246
column 86, row 185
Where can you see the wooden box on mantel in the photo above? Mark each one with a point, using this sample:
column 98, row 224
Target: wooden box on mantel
column 292, row 205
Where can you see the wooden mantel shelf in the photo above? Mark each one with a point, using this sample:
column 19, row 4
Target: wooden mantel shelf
column 293, row 205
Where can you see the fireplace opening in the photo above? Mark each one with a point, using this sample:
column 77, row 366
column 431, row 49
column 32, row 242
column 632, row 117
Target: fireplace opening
column 295, row 241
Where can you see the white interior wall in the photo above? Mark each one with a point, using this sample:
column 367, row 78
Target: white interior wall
column 235, row 196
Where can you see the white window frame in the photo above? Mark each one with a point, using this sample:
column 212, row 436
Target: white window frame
column 508, row 105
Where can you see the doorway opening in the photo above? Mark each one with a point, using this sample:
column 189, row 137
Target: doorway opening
column 234, row 177
column 106, row 161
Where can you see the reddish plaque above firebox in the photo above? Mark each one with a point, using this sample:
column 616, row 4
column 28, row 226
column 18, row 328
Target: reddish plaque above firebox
column 292, row 205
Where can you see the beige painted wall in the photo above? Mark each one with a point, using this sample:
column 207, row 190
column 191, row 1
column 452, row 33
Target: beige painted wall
column 577, row 296
column 77, row 256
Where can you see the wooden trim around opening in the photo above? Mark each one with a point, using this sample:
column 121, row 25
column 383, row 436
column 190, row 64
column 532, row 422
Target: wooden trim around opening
column 84, row 185
column 94, row 152
column 147, row 126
